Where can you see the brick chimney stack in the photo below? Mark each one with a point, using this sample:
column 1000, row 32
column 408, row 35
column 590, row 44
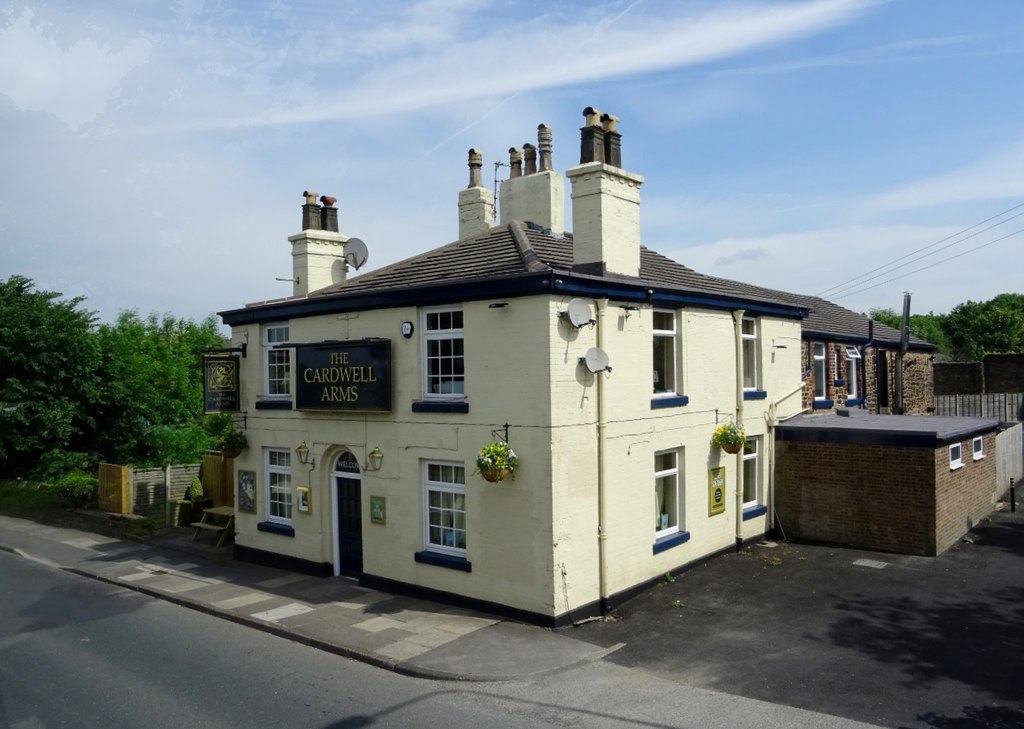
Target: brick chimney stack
column 476, row 202
column 605, row 201
column 318, row 252
column 534, row 195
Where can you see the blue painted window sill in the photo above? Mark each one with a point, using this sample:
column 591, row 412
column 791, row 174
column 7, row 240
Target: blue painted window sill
column 440, row 406
column 754, row 395
column 752, row 512
column 839, row 383
column 443, row 560
column 822, row 404
column 274, row 404
column 274, row 528
column 854, row 402
column 670, row 541
column 669, row 402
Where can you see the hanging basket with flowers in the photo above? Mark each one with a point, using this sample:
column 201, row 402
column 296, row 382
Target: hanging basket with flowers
column 729, row 437
column 496, row 461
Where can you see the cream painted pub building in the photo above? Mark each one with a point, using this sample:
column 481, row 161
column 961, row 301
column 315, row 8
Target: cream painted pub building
column 605, row 366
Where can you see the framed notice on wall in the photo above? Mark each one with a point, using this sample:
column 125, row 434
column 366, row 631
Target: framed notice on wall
column 247, row 492
column 716, row 490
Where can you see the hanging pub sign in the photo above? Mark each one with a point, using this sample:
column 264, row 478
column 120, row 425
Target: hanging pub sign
column 220, row 384
column 352, row 375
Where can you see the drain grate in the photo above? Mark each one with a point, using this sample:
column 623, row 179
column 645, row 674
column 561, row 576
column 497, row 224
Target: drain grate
column 872, row 563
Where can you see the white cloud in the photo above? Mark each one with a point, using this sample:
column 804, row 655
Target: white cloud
column 997, row 177
column 73, row 83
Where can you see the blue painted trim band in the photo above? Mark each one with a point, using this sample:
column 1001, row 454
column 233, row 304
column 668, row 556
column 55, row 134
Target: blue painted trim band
column 672, row 540
column 752, row 512
column 509, row 287
column 443, row 560
column 755, row 395
column 275, row 528
column 273, row 404
column 823, row 404
column 440, row 406
column 839, row 383
column 669, row 402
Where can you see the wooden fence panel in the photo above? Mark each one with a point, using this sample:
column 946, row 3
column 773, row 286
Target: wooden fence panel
column 1002, row 405
column 150, row 488
column 219, row 478
column 114, row 493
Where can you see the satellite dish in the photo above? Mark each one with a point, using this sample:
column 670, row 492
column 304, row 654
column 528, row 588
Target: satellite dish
column 356, row 253
column 596, row 360
column 579, row 313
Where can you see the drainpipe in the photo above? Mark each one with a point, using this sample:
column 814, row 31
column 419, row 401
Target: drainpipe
column 602, row 533
column 771, row 419
column 737, row 325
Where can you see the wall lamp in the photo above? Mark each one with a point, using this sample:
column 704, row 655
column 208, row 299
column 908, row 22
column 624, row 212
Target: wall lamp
column 302, row 451
column 374, row 459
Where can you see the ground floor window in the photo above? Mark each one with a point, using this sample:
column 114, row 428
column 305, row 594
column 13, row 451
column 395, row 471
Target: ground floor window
column 752, row 472
column 668, row 510
column 445, row 517
column 278, row 482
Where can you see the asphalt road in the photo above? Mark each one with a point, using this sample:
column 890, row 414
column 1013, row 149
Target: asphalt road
column 886, row 639
column 76, row 652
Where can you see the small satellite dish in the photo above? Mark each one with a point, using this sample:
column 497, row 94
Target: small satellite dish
column 579, row 313
column 596, row 360
column 356, row 253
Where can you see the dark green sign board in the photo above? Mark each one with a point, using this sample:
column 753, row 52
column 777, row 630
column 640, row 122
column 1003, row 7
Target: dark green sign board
column 354, row 375
column 220, row 385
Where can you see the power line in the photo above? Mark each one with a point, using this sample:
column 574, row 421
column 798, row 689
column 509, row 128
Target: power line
column 890, row 266
column 931, row 265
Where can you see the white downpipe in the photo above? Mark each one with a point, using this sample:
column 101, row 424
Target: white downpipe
column 771, row 419
column 602, row 533
column 737, row 325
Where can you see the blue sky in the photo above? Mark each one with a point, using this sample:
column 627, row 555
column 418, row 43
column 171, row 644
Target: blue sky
column 154, row 153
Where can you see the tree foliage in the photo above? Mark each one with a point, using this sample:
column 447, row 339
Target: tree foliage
column 73, row 393
column 996, row 326
column 923, row 326
column 49, row 382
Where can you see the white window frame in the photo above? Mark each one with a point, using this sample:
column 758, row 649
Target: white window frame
column 675, row 474
column 670, row 337
column 445, row 487
column 752, row 453
column 277, row 490
column 819, row 368
column 271, row 351
column 751, row 348
column 852, row 391
column 956, row 456
column 978, row 447
column 455, row 384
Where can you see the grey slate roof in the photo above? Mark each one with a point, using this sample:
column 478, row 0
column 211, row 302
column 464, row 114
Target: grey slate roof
column 518, row 248
column 521, row 249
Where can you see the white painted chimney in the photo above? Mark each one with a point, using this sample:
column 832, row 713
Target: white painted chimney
column 476, row 202
column 318, row 252
column 605, row 202
column 538, row 194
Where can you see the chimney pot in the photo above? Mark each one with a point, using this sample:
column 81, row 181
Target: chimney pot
column 328, row 200
column 592, row 145
column 592, row 116
column 544, row 142
column 612, row 140
column 476, row 162
column 515, row 162
column 329, row 214
column 310, row 211
column 530, row 158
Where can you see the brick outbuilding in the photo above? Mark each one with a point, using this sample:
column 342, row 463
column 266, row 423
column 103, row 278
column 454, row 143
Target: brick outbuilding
column 894, row 483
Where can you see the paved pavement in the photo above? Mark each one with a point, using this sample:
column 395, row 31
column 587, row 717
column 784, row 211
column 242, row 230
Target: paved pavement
column 887, row 639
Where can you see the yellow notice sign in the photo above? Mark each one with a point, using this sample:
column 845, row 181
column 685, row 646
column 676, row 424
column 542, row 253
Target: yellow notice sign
column 716, row 490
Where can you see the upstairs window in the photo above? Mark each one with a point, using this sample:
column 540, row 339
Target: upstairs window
column 751, row 373
column 665, row 359
column 276, row 362
column 444, row 367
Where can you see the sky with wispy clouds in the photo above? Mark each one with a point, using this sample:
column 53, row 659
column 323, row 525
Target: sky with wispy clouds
column 153, row 153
